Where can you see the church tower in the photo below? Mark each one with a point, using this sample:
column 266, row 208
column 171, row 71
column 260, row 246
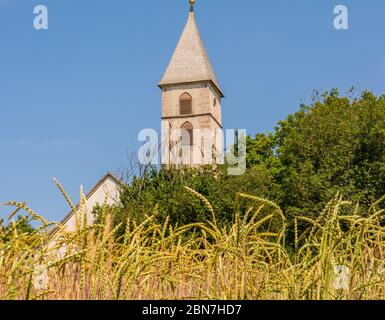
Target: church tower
column 191, row 103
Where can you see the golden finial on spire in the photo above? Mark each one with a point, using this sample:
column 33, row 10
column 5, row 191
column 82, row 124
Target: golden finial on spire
column 192, row 2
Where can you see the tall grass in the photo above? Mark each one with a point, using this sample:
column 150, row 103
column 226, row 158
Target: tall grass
column 247, row 260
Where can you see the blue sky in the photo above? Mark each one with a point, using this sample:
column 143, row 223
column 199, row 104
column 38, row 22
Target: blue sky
column 73, row 98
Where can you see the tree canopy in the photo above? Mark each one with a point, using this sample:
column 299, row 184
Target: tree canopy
column 335, row 144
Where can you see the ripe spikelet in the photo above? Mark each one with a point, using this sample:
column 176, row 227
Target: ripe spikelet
column 265, row 201
column 296, row 232
column 24, row 207
column 65, row 195
column 205, row 201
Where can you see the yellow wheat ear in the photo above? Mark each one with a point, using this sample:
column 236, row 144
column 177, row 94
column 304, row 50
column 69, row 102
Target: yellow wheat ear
column 205, row 201
column 73, row 208
column 264, row 201
column 23, row 206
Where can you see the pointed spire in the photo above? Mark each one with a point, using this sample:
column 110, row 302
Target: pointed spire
column 192, row 2
column 190, row 62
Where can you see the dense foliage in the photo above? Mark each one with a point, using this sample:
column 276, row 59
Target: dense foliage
column 334, row 144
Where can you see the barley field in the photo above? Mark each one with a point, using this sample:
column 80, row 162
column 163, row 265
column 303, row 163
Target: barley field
column 199, row 261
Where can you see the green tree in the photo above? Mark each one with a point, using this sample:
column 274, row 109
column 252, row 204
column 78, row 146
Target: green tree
column 335, row 144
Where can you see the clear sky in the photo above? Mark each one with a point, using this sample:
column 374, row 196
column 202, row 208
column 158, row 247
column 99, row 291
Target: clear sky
column 74, row 97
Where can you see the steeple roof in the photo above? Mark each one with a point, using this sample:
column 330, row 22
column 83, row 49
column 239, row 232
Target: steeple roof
column 190, row 62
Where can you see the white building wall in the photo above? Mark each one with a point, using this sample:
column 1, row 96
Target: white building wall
column 107, row 192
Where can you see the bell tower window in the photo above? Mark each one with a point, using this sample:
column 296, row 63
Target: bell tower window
column 187, row 134
column 185, row 104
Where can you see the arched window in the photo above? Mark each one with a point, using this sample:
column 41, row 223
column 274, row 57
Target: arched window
column 187, row 134
column 185, row 104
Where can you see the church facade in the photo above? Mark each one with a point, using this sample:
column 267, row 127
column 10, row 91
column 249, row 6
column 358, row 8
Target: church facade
column 191, row 103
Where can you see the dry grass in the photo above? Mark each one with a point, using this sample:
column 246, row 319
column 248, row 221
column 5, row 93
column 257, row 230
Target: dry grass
column 152, row 261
